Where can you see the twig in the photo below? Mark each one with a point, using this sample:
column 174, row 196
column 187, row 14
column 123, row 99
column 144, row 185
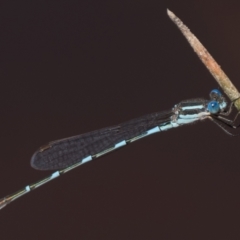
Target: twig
column 216, row 71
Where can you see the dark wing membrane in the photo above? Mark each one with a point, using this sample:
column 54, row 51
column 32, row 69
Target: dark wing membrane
column 66, row 152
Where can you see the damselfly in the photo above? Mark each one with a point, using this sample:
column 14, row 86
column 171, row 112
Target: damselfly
column 66, row 154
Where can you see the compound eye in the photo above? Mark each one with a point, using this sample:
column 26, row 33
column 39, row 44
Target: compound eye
column 213, row 107
column 215, row 94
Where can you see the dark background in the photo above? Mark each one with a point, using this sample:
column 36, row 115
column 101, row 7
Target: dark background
column 69, row 67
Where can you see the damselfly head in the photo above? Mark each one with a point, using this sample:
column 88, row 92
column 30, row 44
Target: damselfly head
column 216, row 96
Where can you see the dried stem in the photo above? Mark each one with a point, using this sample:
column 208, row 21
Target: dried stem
column 216, row 71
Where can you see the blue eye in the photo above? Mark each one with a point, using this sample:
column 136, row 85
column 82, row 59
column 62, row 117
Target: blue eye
column 213, row 107
column 215, row 94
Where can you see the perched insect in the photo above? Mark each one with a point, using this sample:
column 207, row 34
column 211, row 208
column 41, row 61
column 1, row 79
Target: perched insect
column 69, row 153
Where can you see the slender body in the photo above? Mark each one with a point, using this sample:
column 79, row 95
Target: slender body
column 66, row 154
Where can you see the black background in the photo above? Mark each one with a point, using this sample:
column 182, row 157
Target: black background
column 69, row 67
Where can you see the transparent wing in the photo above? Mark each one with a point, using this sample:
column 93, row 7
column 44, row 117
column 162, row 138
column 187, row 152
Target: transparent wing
column 66, row 152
